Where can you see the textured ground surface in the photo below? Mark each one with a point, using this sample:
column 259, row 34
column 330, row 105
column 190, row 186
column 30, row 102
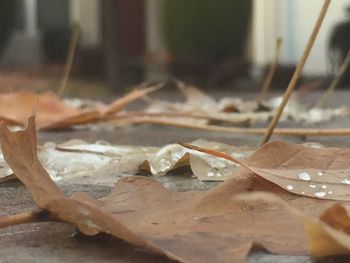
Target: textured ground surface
column 54, row 242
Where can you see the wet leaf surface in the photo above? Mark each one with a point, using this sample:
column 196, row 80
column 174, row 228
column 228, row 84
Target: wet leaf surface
column 220, row 225
column 229, row 110
column 77, row 161
column 174, row 156
column 299, row 169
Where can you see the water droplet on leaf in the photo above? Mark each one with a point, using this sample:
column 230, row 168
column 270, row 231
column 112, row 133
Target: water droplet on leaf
column 304, row 176
column 164, row 165
column 290, row 187
column 345, row 181
column 210, row 174
column 320, row 194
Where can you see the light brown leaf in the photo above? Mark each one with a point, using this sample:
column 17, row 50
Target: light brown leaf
column 231, row 110
column 303, row 170
column 19, row 105
column 120, row 104
column 333, row 238
column 327, row 235
column 21, row 155
column 52, row 113
column 211, row 226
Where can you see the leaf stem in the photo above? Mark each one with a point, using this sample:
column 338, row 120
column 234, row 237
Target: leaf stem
column 26, row 217
column 300, row 132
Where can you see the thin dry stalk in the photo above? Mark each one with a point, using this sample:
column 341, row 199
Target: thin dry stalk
column 335, row 82
column 302, row 132
column 297, row 72
column 272, row 70
column 26, row 217
column 69, row 60
column 136, row 114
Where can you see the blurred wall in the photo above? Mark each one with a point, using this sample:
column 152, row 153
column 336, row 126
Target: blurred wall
column 35, row 17
column 87, row 14
column 293, row 20
column 25, row 37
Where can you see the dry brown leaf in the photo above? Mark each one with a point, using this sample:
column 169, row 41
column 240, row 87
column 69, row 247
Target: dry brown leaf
column 102, row 163
column 79, row 119
column 120, row 103
column 314, row 172
column 233, row 110
column 195, row 101
column 211, row 226
column 20, row 148
column 326, row 235
column 19, row 105
column 333, row 238
column 205, row 167
column 52, row 113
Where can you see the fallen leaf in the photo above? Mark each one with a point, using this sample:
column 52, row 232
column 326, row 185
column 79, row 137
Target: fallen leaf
column 97, row 163
column 213, row 226
column 326, row 235
column 21, row 156
column 233, row 110
column 52, row 113
column 337, row 223
column 120, row 103
column 303, row 170
column 18, row 106
column 215, row 170
column 101, row 163
column 77, row 161
column 196, row 101
column 204, row 166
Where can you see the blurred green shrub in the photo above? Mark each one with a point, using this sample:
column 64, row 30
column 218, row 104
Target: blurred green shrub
column 7, row 21
column 206, row 28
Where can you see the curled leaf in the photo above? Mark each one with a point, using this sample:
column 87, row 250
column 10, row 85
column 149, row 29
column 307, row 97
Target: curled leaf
column 220, row 225
column 233, row 110
column 303, row 170
column 53, row 113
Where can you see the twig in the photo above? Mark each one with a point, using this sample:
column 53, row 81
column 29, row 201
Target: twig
column 344, row 66
column 302, row 132
column 212, row 118
column 26, row 217
column 62, row 149
column 297, row 72
column 69, row 60
column 272, row 70
column 212, row 152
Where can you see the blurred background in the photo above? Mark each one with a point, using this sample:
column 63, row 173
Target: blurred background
column 224, row 43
